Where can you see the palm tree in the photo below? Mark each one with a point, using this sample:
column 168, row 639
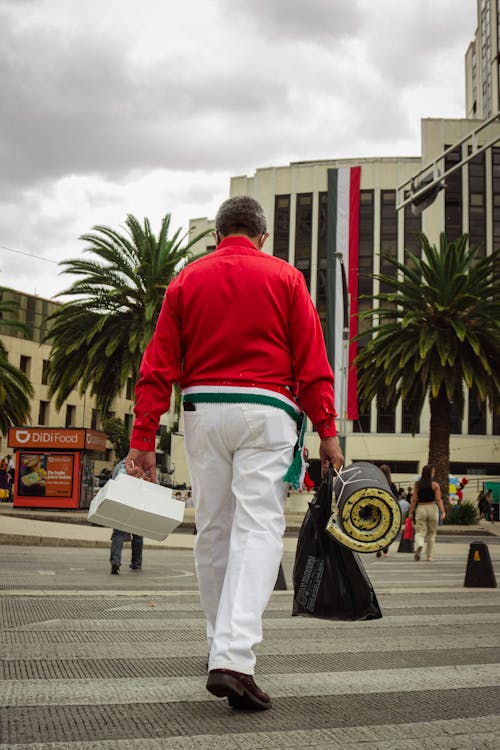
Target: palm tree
column 15, row 388
column 436, row 329
column 98, row 338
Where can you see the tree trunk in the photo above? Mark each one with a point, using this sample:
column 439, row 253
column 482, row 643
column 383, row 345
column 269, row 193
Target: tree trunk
column 439, row 441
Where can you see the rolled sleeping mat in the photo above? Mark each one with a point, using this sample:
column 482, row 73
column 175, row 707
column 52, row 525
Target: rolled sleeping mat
column 366, row 516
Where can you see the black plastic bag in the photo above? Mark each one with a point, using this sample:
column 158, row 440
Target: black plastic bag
column 329, row 580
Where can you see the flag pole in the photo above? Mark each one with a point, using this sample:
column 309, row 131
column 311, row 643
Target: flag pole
column 345, row 356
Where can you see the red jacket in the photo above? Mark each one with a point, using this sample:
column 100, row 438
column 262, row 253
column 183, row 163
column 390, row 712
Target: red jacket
column 236, row 317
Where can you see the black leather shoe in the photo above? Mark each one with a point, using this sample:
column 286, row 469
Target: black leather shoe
column 239, row 689
column 115, row 568
column 135, row 567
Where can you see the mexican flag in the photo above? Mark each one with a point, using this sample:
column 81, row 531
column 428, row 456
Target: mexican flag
column 343, row 242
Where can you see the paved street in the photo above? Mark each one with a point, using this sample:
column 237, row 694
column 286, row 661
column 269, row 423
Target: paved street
column 94, row 661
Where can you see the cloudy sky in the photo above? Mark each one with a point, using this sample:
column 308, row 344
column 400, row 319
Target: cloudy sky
column 112, row 107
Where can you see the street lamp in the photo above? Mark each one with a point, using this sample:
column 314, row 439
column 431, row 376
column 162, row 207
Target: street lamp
column 345, row 355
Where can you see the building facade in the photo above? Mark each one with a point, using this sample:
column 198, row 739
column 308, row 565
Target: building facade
column 31, row 355
column 295, row 199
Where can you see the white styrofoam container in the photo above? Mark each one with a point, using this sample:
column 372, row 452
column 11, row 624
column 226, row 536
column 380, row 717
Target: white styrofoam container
column 136, row 506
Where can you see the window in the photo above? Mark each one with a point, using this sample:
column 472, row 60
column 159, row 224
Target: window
column 455, row 420
column 366, row 235
column 413, row 227
column 43, row 413
column 30, row 311
column 281, row 234
column 25, row 365
column 70, row 416
column 362, row 423
column 322, row 254
column 477, row 202
column 386, row 416
column 463, row 468
column 388, row 233
column 408, row 411
column 45, row 371
column 127, row 420
column 94, row 419
column 303, row 234
column 495, row 156
column 129, row 395
column 477, row 414
column 453, row 197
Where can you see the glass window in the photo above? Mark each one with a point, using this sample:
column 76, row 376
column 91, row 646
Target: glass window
column 45, row 371
column 281, row 234
column 453, row 197
column 388, row 233
column 413, row 227
column 130, row 390
column 386, row 417
column 303, row 234
column 477, row 414
column 408, row 410
column 362, row 423
column 477, row 202
column 321, row 278
column 70, row 416
column 25, row 365
column 43, row 412
column 455, row 420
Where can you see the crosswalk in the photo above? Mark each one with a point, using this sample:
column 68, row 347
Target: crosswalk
column 81, row 672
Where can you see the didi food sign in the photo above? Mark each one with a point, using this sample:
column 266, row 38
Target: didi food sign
column 56, row 438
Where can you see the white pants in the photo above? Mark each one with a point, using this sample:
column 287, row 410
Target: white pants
column 237, row 456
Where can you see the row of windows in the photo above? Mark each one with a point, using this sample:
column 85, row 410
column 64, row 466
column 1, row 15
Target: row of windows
column 70, row 417
column 478, row 190
column 386, row 419
column 303, row 238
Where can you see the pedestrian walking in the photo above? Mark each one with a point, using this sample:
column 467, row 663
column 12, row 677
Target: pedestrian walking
column 11, row 471
column 119, row 537
column 239, row 333
column 4, row 479
column 485, row 506
column 426, row 503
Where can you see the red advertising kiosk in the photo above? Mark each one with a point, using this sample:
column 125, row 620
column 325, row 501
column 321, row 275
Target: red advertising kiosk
column 54, row 466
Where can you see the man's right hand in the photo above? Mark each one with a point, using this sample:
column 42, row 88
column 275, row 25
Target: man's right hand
column 141, row 464
column 330, row 454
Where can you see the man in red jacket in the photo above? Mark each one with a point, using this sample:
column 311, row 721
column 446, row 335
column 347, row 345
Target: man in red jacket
column 239, row 333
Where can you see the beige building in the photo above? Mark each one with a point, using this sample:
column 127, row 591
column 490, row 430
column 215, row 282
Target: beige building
column 482, row 62
column 295, row 199
column 31, row 356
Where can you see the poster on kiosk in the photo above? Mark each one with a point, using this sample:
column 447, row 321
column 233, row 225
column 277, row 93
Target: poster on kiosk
column 54, row 466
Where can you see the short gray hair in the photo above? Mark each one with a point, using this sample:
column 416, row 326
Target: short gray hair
column 241, row 215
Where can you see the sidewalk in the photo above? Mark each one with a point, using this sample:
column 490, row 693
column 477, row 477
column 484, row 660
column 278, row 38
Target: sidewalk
column 55, row 528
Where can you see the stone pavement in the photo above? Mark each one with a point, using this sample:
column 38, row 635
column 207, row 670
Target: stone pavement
column 90, row 661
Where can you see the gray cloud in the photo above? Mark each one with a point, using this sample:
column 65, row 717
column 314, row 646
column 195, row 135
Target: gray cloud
column 80, row 106
column 314, row 21
column 95, row 101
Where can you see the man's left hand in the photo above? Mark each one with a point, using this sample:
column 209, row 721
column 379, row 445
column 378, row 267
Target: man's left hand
column 330, row 454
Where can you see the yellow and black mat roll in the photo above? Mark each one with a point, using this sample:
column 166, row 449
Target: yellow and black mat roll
column 365, row 514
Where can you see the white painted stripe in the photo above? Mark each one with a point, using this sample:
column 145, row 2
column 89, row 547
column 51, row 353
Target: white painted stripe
column 440, row 735
column 175, row 689
column 356, row 641
column 342, row 246
column 275, row 623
